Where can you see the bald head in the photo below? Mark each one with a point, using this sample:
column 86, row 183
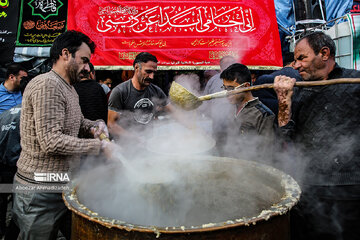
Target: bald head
column 226, row 61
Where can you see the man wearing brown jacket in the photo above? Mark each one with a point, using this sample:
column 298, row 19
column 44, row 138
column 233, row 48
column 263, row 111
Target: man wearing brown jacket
column 50, row 122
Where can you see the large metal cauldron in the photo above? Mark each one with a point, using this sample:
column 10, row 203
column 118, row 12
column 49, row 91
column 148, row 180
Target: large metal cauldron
column 244, row 200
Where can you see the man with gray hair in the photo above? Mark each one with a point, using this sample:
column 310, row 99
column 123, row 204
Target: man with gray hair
column 215, row 83
column 324, row 125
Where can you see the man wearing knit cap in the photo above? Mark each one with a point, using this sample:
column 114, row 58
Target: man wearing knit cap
column 50, row 122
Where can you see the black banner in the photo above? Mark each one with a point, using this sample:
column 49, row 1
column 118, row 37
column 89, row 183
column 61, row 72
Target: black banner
column 41, row 21
column 9, row 14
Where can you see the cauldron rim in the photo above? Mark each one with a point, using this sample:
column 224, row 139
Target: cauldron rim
column 290, row 199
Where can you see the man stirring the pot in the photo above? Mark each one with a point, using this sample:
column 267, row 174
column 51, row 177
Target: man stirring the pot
column 324, row 123
column 50, row 122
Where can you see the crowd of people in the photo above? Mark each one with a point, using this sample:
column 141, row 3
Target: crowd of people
column 48, row 121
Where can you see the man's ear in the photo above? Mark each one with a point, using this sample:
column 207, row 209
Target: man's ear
column 325, row 53
column 65, row 53
column 12, row 76
column 137, row 66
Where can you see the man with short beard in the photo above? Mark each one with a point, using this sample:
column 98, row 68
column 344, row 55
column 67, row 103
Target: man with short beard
column 10, row 94
column 135, row 102
column 50, row 122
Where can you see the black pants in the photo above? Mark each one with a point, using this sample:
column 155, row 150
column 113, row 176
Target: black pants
column 327, row 212
column 6, row 177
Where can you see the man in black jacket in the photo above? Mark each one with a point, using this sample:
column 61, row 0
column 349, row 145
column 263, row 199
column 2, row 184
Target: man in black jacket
column 9, row 154
column 268, row 96
column 324, row 123
column 92, row 98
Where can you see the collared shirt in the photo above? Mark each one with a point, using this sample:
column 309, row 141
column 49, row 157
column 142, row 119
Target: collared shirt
column 8, row 99
column 255, row 117
column 252, row 132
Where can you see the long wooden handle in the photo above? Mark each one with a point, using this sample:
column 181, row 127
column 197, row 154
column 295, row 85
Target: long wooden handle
column 297, row 84
column 214, row 95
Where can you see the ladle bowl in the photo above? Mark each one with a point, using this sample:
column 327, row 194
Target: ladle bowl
column 183, row 97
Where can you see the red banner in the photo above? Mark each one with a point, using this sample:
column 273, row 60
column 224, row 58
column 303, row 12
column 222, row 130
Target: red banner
column 181, row 34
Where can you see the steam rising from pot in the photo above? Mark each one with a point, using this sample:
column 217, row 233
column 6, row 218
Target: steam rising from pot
column 186, row 191
column 173, row 181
